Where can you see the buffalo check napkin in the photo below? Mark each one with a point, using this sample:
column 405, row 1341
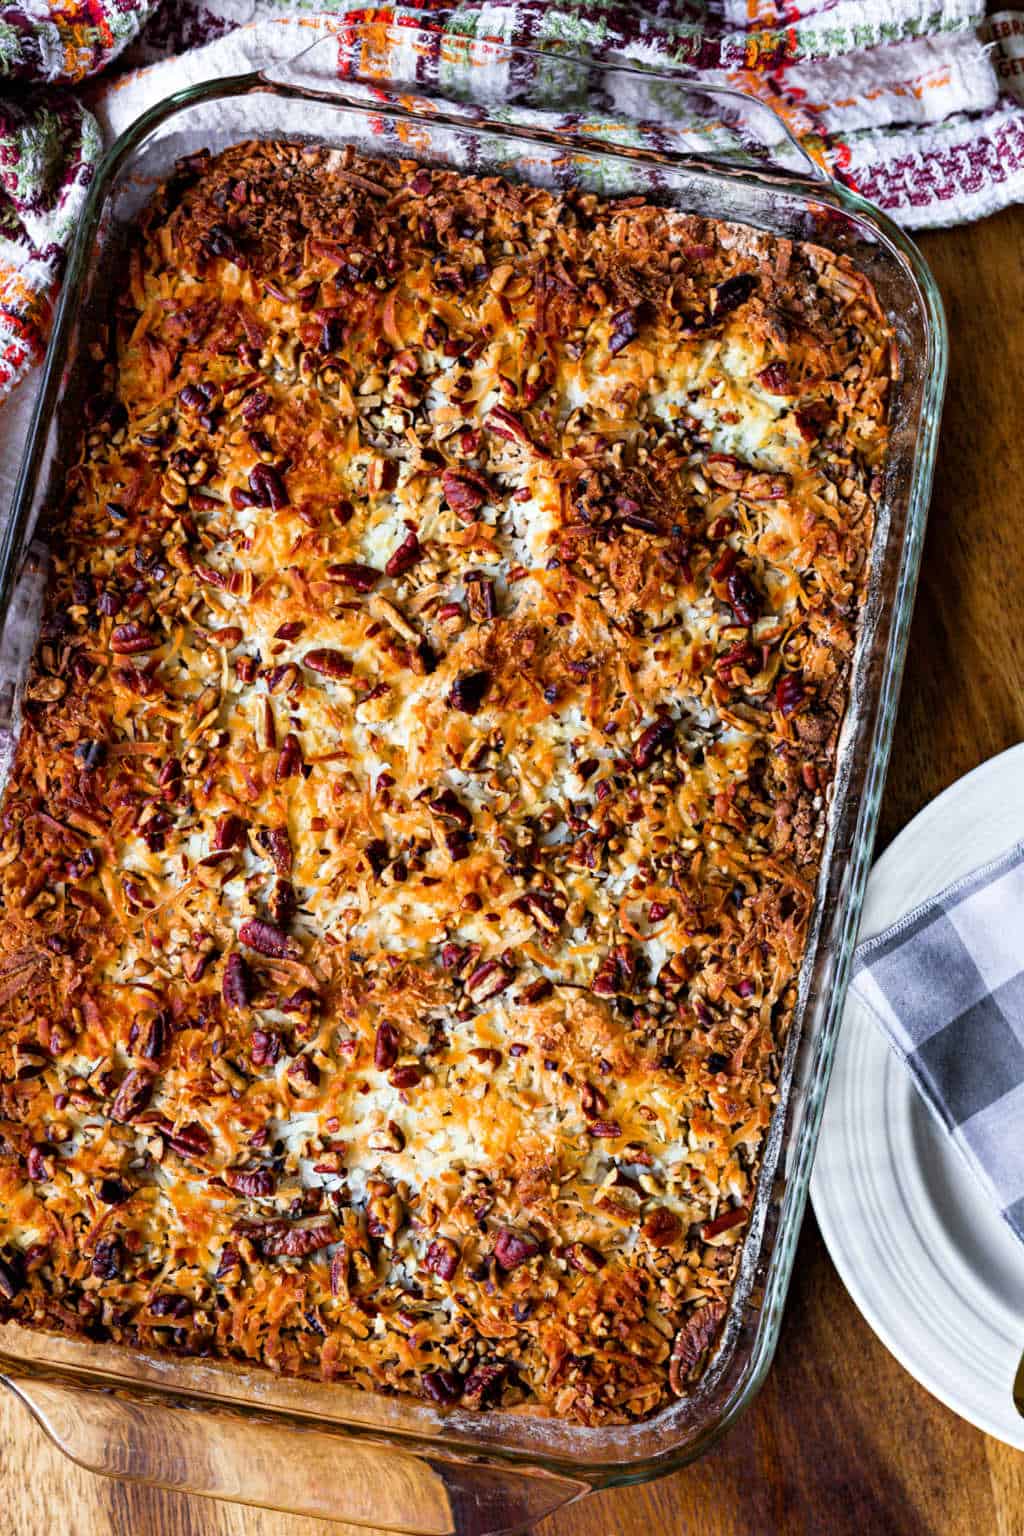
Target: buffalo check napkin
column 946, row 984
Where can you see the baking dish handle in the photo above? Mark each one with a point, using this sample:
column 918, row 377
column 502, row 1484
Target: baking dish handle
column 608, row 101
column 355, row 1479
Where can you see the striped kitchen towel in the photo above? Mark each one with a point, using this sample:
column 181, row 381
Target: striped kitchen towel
column 946, row 986
column 910, row 101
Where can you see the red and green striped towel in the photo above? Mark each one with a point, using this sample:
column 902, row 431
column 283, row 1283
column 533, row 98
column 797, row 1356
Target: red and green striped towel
column 909, row 101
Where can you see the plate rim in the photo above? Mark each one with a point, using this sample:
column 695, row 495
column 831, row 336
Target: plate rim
column 1009, row 1426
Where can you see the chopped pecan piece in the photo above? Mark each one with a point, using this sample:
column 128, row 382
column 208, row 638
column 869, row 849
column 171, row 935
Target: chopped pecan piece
column 229, row 832
column 661, row 1227
column 581, row 1257
column 789, row 693
column 728, row 1219
column 442, row 1258
column 468, row 691
column 775, row 379
column 481, row 597
column 482, row 1386
column 278, row 844
column 12, row 1275
column 624, row 328
column 229, row 1265
column 450, row 808
column 107, row 1258
column 732, row 293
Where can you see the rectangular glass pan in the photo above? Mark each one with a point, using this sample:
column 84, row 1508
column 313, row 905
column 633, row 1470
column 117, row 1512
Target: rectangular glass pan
column 391, row 1461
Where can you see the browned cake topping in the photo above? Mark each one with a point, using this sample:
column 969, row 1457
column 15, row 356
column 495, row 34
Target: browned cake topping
column 409, row 852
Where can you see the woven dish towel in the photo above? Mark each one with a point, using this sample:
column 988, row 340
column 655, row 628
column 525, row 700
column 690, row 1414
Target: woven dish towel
column 910, row 101
column 946, row 985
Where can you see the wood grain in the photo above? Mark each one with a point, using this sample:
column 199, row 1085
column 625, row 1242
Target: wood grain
column 841, row 1440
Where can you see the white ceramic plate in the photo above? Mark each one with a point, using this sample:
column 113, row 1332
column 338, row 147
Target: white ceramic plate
column 931, row 1265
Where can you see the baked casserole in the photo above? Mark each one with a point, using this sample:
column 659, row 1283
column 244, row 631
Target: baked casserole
column 415, row 822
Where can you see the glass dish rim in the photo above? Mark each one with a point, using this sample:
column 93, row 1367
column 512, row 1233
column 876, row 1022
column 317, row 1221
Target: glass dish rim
column 934, row 365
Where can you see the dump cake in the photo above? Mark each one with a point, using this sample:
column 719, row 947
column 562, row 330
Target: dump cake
column 416, row 817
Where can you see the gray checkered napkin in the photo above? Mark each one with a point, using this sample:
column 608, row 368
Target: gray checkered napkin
column 946, row 984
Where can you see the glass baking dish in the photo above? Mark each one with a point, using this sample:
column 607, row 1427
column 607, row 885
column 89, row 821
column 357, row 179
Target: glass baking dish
column 390, row 1462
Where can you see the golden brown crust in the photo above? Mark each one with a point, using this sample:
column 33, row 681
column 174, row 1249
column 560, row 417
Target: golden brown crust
column 412, row 837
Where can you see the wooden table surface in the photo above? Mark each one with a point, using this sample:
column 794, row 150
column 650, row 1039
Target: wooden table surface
column 841, row 1440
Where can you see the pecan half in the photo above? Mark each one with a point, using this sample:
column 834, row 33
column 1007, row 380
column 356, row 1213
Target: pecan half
column 691, row 1343
column 465, row 492
column 442, row 1387
column 385, row 1046
column 278, row 844
column 661, row 1227
column 743, row 597
column 236, row 986
column 254, row 1182
column 652, row 741
column 190, row 1141
column 329, row 663
column 132, row 1097
column 302, row 1237
column 267, row 939
column 606, row 1130
column 130, row 639
column 402, row 559
column 488, row 980
column 361, row 578
column 267, row 487
column 503, row 424
column 511, row 1249
column 289, row 759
